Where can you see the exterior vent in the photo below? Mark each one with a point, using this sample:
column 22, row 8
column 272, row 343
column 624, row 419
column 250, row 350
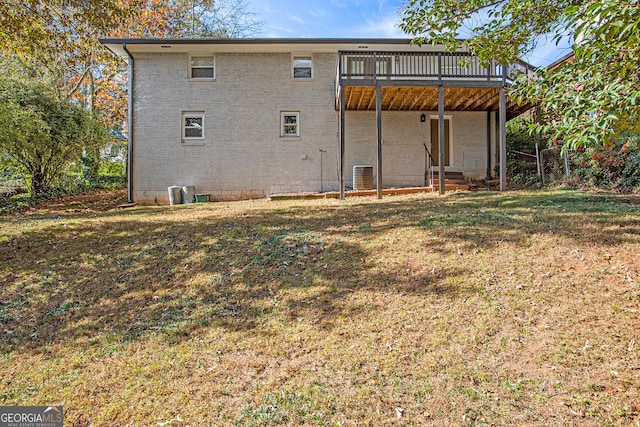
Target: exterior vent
column 362, row 177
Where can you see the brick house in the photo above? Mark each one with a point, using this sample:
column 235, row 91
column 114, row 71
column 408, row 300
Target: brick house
column 247, row 118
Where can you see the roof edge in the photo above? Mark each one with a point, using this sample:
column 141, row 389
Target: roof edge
column 255, row 40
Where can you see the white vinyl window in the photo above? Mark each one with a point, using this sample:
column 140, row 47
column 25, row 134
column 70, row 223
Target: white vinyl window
column 193, row 126
column 289, row 124
column 302, row 67
column 202, row 67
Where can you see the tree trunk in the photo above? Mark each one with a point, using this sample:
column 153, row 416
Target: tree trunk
column 37, row 183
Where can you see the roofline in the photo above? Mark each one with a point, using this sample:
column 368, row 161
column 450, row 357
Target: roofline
column 256, row 41
column 118, row 42
column 141, row 45
column 559, row 61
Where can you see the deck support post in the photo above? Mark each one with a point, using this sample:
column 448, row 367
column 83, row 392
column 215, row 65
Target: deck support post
column 341, row 143
column 441, row 139
column 379, row 136
column 488, row 144
column 503, row 139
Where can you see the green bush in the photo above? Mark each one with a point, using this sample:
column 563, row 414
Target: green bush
column 110, row 168
column 616, row 166
column 41, row 133
column 521, row 170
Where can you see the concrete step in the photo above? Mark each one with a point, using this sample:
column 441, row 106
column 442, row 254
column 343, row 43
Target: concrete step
column 451, row 181
column 451, row 187
column 449, row 175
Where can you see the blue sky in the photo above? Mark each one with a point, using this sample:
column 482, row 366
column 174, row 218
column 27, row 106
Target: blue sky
column 352, row 18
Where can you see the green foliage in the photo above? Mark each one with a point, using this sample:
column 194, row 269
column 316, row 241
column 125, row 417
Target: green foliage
column 10, row 176
column 589, row 100
column 501, row 30
column 522, row 170
column 593, row 98
column 112, row 169
column 519, row 135
column 40, row 134
column 615, row 166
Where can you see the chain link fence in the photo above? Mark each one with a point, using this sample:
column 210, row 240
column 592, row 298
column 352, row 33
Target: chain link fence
column 555, row 166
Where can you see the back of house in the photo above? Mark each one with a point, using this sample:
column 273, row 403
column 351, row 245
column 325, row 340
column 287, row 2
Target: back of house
column 240, row 119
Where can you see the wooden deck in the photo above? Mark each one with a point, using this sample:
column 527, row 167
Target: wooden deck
column 408, row 98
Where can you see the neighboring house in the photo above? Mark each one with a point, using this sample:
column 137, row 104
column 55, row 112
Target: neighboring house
column 247, row 118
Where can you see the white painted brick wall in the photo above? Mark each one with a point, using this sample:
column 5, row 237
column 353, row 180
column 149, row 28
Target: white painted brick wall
column 243, row 155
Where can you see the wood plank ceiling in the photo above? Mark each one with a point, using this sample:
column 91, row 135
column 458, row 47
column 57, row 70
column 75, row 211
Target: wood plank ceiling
column 407, row 98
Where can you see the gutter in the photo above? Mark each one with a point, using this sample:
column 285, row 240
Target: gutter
column 130, row 136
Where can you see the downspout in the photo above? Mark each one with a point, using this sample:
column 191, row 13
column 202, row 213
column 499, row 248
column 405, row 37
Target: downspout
column 130, row 136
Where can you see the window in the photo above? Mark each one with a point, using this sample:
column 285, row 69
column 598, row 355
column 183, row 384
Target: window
column 192, row 126
column 290, row 124
column 302, row 67
column 202, row 67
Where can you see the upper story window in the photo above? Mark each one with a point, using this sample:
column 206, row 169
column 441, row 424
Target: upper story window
column 202, row 67
column 290, row 123
column 302, row 67
column 193, row 126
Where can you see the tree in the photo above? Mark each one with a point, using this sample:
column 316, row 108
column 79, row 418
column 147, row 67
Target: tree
column 192, row 19
column 41, row 133
column 588, row 101
column 57, row 40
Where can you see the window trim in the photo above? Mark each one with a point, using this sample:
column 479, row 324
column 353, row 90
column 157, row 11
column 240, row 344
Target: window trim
column 293, row 67
column 191, row 67
column 283, row 114
column 192, row 139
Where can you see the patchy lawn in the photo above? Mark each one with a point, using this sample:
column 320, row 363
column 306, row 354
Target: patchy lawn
column 503, row 309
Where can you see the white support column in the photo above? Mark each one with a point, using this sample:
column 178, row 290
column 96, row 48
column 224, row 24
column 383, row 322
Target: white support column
column 441, row 139
column 503, row 139
column 379, row 135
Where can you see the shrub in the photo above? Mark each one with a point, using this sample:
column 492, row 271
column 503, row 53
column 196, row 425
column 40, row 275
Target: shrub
column 41, row 134
column 616, row 166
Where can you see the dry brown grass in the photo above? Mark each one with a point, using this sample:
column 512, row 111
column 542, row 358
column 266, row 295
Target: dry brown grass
column 484, row 309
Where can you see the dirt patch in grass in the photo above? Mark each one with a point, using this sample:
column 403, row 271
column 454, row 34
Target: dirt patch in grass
column 516, row 308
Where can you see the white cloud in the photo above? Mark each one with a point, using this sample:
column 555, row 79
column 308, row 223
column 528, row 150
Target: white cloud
column 386, row 27
column 295, row 18
column 318, row 13
column 279, row 31
column 338, row 3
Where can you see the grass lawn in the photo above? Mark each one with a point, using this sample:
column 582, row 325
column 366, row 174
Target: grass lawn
column 504, row 309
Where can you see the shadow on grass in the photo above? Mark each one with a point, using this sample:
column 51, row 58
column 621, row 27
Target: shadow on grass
column 130, row 274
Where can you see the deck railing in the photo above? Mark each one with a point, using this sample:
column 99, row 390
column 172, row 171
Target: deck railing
column 355, row 65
